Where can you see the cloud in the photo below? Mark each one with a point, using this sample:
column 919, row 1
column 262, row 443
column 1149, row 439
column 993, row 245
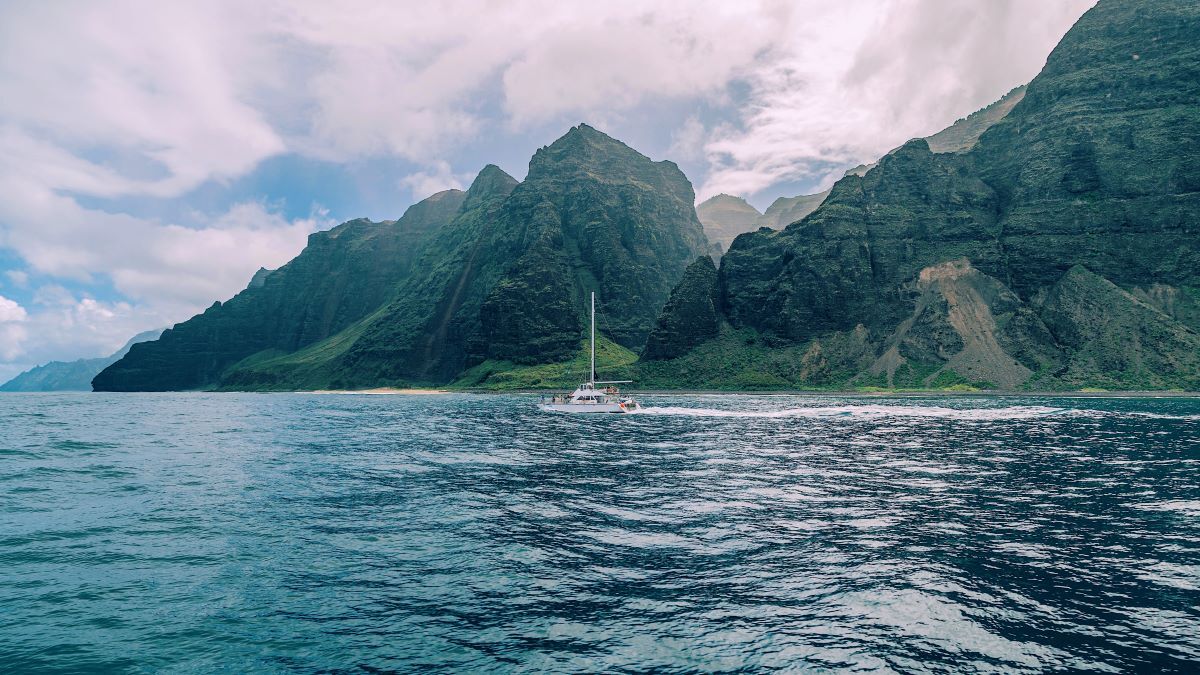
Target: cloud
column 580, row 63
column 856, row 79
column 163, row 264
column 11, row 310
column 66, row 327
column 166, row 272
column 129, row 98
column 687, row 142
column 17, row 278
column 103, row 104
column 181, row 93
column 439, row 177
column 12, row 333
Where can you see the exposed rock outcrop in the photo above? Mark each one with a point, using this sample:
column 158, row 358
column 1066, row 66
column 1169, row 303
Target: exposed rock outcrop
column 507, row 279
column 1070, row 224
column 690, row 316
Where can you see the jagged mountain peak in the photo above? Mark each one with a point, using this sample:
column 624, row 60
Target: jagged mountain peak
column 584, row 148
column 491, row 181
column 724, row 198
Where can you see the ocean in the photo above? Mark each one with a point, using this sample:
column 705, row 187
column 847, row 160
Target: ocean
column 199, row 532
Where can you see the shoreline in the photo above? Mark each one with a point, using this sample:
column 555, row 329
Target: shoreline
column 376, row 391
column 417, row 391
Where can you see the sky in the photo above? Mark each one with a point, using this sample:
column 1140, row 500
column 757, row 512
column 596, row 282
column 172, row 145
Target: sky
column 153, row 155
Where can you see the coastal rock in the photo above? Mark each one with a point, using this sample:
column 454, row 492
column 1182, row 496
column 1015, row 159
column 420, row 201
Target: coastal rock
column 1093, row 167
column 690, row 315
column 965, row 326
column 1114, row 340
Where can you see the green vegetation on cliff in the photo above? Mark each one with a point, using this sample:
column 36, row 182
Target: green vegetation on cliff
column 1052, row 243
column 1062, row 250
column 502, row 278
column 341, row 276
column 690, row 316
column 613, row 362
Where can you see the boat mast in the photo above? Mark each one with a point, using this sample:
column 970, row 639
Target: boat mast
column 593, row 380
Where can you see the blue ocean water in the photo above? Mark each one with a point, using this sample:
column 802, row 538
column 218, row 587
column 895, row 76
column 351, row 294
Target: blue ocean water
column 347, row 533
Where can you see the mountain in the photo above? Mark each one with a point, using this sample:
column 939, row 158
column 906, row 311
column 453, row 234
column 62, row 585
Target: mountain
column 508, row 279
column 786, row 210
column 726, row 216
column 503, row 277
column 690, row 316
column 342, row 275
column 1061, row 250
column 71, row 375
column 965, row 132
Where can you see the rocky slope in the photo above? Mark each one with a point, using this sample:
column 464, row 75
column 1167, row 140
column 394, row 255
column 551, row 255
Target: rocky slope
column 690, row 316
column 726, row 216
column 341, row 276
column 509, row 282
column 1069, row 228
column 71, row 375
column 505, row 278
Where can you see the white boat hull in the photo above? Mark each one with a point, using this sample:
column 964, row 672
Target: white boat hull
column 588, row 407
column 587, row 398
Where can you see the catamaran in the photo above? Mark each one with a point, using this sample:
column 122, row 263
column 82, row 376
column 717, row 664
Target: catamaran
column 592, row 396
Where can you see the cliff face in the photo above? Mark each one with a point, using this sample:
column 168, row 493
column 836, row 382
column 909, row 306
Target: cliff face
column 342, row 275
column 591, row 214
column 508, row 278
column 725, row 217
column 690, row 316
column 987, row 266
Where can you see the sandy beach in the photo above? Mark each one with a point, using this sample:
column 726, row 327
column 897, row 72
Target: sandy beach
column 382, row 390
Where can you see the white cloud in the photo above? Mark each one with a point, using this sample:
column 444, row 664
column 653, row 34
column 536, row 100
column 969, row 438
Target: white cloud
column 11, row 310
column 134, row 98
column 439, row 177
column 853, row 80
column 12, row 333
column 687, row 142
column 155, row 89
column 159, row 263
column 104, row 100
column 67, row 327
column 166, row 272
column 578, row 62
column 17, row 278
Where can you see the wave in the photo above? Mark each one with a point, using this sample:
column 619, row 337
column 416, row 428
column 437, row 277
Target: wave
column 864, row 411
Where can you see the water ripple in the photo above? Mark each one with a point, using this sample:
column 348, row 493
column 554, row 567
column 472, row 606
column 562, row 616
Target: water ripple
column 203, row 532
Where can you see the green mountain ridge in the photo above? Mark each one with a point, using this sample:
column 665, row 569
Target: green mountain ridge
column 1061, row 251
column 70, row 375
column 1051, row 244
column 342, row 275
column 502, row 278
column 726, row 216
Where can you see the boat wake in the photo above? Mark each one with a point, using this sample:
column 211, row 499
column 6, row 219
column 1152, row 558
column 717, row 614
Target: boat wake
column 864, row 411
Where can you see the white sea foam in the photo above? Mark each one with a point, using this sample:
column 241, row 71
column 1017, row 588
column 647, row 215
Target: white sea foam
column 865, row 411
column 1188, row 507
